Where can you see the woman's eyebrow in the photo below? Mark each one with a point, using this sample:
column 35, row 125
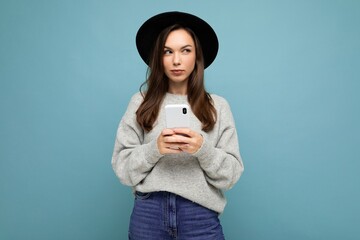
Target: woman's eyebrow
column 188, row 45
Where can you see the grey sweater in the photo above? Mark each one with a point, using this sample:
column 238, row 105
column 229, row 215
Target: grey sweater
column 200, row 177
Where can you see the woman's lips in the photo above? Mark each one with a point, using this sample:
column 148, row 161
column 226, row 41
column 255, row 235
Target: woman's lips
column 177, row 72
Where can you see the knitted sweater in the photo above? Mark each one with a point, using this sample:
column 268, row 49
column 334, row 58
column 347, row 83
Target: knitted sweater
column 200, row 177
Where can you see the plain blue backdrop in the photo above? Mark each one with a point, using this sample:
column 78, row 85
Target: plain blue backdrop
column 289, row 69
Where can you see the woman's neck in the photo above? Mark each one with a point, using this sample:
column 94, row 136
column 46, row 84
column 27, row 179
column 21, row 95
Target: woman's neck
column 178, row 89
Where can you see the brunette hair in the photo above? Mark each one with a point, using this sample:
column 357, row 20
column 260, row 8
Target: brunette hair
column 157, row 84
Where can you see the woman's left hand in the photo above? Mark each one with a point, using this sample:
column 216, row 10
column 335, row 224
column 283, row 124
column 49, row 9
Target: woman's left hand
column 190, row 140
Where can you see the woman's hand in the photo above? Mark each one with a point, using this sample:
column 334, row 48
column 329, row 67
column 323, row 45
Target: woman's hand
column 179, row 140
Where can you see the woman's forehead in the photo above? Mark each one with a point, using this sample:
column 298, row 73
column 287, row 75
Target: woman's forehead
column 179, row 38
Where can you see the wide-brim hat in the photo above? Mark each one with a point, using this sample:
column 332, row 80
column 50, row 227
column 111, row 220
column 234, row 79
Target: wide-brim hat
column 150, row 30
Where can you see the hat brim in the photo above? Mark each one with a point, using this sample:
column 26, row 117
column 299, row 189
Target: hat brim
column 150, row 30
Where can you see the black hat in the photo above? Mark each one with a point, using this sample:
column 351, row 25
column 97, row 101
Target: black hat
column 150, row 30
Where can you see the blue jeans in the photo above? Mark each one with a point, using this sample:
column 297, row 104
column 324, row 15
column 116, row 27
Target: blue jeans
column 164, row 215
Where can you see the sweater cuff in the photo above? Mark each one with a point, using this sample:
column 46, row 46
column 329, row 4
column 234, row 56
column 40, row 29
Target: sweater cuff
column 152, row 152
column 204, row 151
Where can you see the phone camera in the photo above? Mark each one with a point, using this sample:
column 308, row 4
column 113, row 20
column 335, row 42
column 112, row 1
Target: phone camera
column 184, row 110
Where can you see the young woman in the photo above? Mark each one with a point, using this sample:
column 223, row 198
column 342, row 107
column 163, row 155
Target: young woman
column 178, row 175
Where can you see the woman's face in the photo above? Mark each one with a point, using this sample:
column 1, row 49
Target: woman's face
column 179, row 60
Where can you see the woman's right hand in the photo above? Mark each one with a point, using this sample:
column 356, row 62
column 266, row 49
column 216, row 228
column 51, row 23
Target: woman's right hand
column 167, row 143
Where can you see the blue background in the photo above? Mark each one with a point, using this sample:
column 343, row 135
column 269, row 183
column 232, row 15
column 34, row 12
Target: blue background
column 290, row 70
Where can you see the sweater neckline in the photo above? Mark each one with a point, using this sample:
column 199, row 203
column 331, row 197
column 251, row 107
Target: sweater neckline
column 173, row 95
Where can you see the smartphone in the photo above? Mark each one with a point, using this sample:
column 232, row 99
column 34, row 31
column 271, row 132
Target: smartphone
column 177, row 116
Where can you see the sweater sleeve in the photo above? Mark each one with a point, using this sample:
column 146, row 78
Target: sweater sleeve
column 133, row 159
column 222, row 163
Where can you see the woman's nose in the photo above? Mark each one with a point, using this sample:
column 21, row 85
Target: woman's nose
column 176, row 59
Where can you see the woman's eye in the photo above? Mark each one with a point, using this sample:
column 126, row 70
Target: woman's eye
column 186, row 50
column 167, row 51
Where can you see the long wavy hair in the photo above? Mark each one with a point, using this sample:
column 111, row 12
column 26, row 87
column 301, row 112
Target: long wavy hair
column 157, row 84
